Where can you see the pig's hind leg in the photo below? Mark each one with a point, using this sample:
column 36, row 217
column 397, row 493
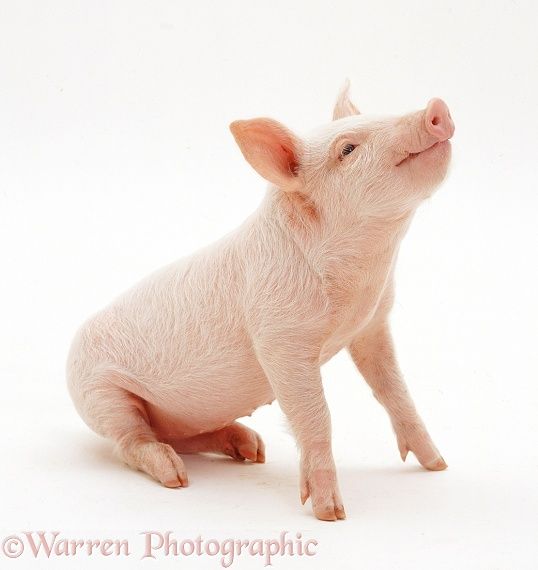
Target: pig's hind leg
column 373, row 354
column 235, row 440
column 116, row 413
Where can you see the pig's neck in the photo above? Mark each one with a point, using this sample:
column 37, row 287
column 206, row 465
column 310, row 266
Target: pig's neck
column 349, row 251
column 357, row 253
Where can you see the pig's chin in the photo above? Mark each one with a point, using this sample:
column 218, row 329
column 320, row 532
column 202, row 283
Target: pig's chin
column 438, row 152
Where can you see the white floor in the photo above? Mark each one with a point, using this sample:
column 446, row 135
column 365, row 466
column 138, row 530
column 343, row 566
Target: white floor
column 111, row 166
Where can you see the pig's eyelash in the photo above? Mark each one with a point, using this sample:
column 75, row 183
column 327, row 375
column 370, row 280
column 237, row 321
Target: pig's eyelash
column 347, row 149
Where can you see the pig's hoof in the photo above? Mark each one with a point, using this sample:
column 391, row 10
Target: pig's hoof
column 438, row 464
column 322, row 488
column 241, row 442
column 415, row 438
column 161, row 462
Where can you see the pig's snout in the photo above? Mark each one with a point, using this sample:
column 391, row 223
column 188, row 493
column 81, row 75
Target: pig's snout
column 438, row 120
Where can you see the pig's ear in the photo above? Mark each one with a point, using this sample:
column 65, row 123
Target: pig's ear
column 271, row 149
column 344, row 107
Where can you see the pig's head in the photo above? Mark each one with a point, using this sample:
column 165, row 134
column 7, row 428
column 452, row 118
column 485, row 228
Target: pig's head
column 357, row 164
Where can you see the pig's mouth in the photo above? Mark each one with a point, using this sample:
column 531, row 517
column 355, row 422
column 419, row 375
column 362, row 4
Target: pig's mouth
column 410, row 156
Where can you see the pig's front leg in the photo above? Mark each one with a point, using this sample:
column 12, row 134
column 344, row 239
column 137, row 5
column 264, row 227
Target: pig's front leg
column 373, row 353
column 296, row 382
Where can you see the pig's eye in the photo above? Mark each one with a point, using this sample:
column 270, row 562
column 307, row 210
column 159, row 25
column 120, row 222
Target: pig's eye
column 348, row 148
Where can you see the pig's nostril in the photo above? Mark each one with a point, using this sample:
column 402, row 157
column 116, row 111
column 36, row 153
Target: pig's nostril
column 437, row 120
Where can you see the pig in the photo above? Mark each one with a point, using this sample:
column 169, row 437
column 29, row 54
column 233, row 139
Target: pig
column 168, row 367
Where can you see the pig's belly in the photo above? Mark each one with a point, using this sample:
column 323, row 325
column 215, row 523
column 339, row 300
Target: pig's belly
column 204, row 393
column 184, row 407
column 200, row 407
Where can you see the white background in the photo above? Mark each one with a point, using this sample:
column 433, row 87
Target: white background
column 115, row 158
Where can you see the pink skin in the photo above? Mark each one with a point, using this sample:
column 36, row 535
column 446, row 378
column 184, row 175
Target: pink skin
column 169, row 366
column 439, row 126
